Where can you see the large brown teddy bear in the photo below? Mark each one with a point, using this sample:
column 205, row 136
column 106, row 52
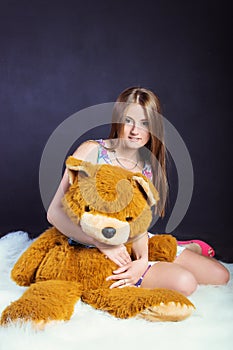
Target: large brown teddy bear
column 114, row 206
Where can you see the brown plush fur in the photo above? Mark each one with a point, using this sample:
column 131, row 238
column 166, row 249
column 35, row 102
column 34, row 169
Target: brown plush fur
column 58, row 274
column 111, row 192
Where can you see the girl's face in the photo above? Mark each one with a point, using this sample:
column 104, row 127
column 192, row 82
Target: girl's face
column 136, row 127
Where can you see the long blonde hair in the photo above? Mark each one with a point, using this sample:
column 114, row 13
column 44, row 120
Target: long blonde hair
column 154, row 151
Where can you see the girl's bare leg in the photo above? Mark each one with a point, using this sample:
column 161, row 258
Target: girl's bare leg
column 185, row 273
column 205, row 270
column 171, row 276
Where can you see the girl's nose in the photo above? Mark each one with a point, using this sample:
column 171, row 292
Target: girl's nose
column 134, row 129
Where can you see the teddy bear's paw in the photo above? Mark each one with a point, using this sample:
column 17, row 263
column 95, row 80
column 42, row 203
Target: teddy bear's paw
column 171, row 311
column 43, row 302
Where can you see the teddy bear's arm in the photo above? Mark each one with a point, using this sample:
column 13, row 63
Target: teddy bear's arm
column 162, row 248
column 25, row 268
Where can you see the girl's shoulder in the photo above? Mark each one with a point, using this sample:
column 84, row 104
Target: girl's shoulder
column 87, row 151
column 93, row 150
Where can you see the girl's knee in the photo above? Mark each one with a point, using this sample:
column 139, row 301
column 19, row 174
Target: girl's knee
column 221, row 274
column 186, row 283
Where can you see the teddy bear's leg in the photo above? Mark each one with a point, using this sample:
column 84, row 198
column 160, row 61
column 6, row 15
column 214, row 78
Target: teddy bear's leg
column 43, row 302
column 151, row 304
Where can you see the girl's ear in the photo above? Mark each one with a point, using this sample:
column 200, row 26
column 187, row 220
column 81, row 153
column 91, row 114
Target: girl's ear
column 148, row 188
column 77, row 166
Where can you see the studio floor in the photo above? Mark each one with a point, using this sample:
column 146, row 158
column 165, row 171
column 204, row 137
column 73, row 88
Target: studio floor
column 210, row 327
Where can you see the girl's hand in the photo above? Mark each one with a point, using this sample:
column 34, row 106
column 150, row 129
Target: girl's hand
column 128, row 274
column 118, row 254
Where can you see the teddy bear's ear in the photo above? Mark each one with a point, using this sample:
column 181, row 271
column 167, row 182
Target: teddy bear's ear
column 77, row 166
column 148, row 188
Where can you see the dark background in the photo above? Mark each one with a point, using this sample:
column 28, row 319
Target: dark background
column 58, row 57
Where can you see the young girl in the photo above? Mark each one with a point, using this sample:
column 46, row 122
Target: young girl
column 136, row 142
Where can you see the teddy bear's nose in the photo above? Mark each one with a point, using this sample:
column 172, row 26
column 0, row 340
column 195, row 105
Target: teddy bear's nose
column 108, row 232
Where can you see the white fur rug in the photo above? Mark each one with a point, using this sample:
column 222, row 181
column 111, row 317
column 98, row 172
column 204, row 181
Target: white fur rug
column 210, row 327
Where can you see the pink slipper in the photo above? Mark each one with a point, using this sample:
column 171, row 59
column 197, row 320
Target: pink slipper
column 207, row 250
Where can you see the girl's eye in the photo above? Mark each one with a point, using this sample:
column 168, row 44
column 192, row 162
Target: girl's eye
column 145, row 123
column 128, row 120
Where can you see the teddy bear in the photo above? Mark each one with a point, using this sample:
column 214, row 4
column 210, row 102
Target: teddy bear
column 114, row 206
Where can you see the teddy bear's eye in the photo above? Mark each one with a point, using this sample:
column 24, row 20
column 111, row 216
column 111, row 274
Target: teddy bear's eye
column 87, row 208
column 129, row 218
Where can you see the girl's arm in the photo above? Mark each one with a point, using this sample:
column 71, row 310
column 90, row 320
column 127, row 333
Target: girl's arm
column 58, row 218
column 140, row 248
column 130, row 273
column 56, row 215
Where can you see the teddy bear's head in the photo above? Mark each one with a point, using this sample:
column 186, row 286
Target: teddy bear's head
column 113, row 205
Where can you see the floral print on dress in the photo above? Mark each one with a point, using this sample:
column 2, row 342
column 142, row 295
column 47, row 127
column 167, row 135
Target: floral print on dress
column 102, row 153
column 147, row 171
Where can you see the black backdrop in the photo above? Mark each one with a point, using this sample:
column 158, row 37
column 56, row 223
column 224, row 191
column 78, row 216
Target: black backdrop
column 58, row 57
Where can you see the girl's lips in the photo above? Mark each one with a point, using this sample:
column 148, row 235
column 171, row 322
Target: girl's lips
column 134, row 139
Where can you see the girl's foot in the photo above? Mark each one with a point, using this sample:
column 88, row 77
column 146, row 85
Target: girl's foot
column 198, row 247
